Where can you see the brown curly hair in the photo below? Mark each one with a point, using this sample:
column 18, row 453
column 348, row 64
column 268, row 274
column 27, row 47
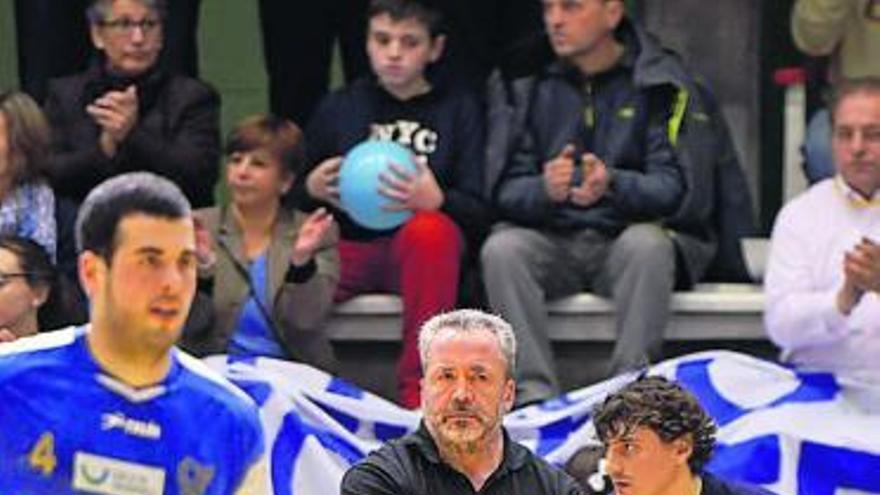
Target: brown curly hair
column 663, row 406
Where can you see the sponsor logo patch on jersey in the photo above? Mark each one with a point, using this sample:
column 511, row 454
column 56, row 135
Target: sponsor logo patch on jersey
column 108, row 476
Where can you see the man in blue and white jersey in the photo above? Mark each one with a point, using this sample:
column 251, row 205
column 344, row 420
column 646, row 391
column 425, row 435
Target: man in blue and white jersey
column 113, row 407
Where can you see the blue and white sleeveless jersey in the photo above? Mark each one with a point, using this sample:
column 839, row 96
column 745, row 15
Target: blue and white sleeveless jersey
column 68, row 427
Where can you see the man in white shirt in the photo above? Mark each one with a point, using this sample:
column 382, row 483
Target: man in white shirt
column 823, row 279
column 847, row 31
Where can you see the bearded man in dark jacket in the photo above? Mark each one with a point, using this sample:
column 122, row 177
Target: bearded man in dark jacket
column 603, row 169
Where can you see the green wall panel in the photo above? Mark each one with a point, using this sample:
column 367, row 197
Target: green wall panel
column 231, row 58
column 8, row 56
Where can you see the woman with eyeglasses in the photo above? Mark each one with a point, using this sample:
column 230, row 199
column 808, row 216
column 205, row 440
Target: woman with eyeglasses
column 26, row 280
column 127, row 113
column 27, row 204
column 267, row 272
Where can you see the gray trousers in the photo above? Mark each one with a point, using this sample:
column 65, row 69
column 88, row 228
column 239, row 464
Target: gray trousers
column 524, row 267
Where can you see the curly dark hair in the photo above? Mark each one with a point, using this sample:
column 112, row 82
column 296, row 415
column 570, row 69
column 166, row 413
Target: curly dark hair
column 664, row 407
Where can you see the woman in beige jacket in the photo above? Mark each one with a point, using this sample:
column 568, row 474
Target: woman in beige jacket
column 267, row 272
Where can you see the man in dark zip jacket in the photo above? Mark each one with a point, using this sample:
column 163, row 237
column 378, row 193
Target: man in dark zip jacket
column 603, row 170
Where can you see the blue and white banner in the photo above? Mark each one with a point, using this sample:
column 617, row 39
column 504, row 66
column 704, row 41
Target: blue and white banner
column 792, row 432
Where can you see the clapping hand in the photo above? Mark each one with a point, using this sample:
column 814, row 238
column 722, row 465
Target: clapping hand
column 862, row 265
column 558, row 173
column 116, row 113
column 861, row 270
column 595, row 181
column 313, row 235
column 205, row 253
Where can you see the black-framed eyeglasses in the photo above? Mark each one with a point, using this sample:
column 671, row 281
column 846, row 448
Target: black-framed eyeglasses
column 127, row 26
column 6, row 278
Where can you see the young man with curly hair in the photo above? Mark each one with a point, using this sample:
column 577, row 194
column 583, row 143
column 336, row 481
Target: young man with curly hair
column 657, row 440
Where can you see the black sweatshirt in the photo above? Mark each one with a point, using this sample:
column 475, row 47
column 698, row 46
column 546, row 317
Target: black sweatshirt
column 446, row 126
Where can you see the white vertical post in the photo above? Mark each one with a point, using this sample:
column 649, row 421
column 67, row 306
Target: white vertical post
column 793, row 179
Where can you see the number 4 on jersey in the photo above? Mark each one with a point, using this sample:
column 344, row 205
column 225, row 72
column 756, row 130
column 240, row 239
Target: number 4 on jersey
column 42, row 456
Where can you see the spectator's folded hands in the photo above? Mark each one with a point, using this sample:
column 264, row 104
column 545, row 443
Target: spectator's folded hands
column 558, row 173
column 594, row 184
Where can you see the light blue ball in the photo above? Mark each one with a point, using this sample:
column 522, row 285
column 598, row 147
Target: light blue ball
column 359, row 183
